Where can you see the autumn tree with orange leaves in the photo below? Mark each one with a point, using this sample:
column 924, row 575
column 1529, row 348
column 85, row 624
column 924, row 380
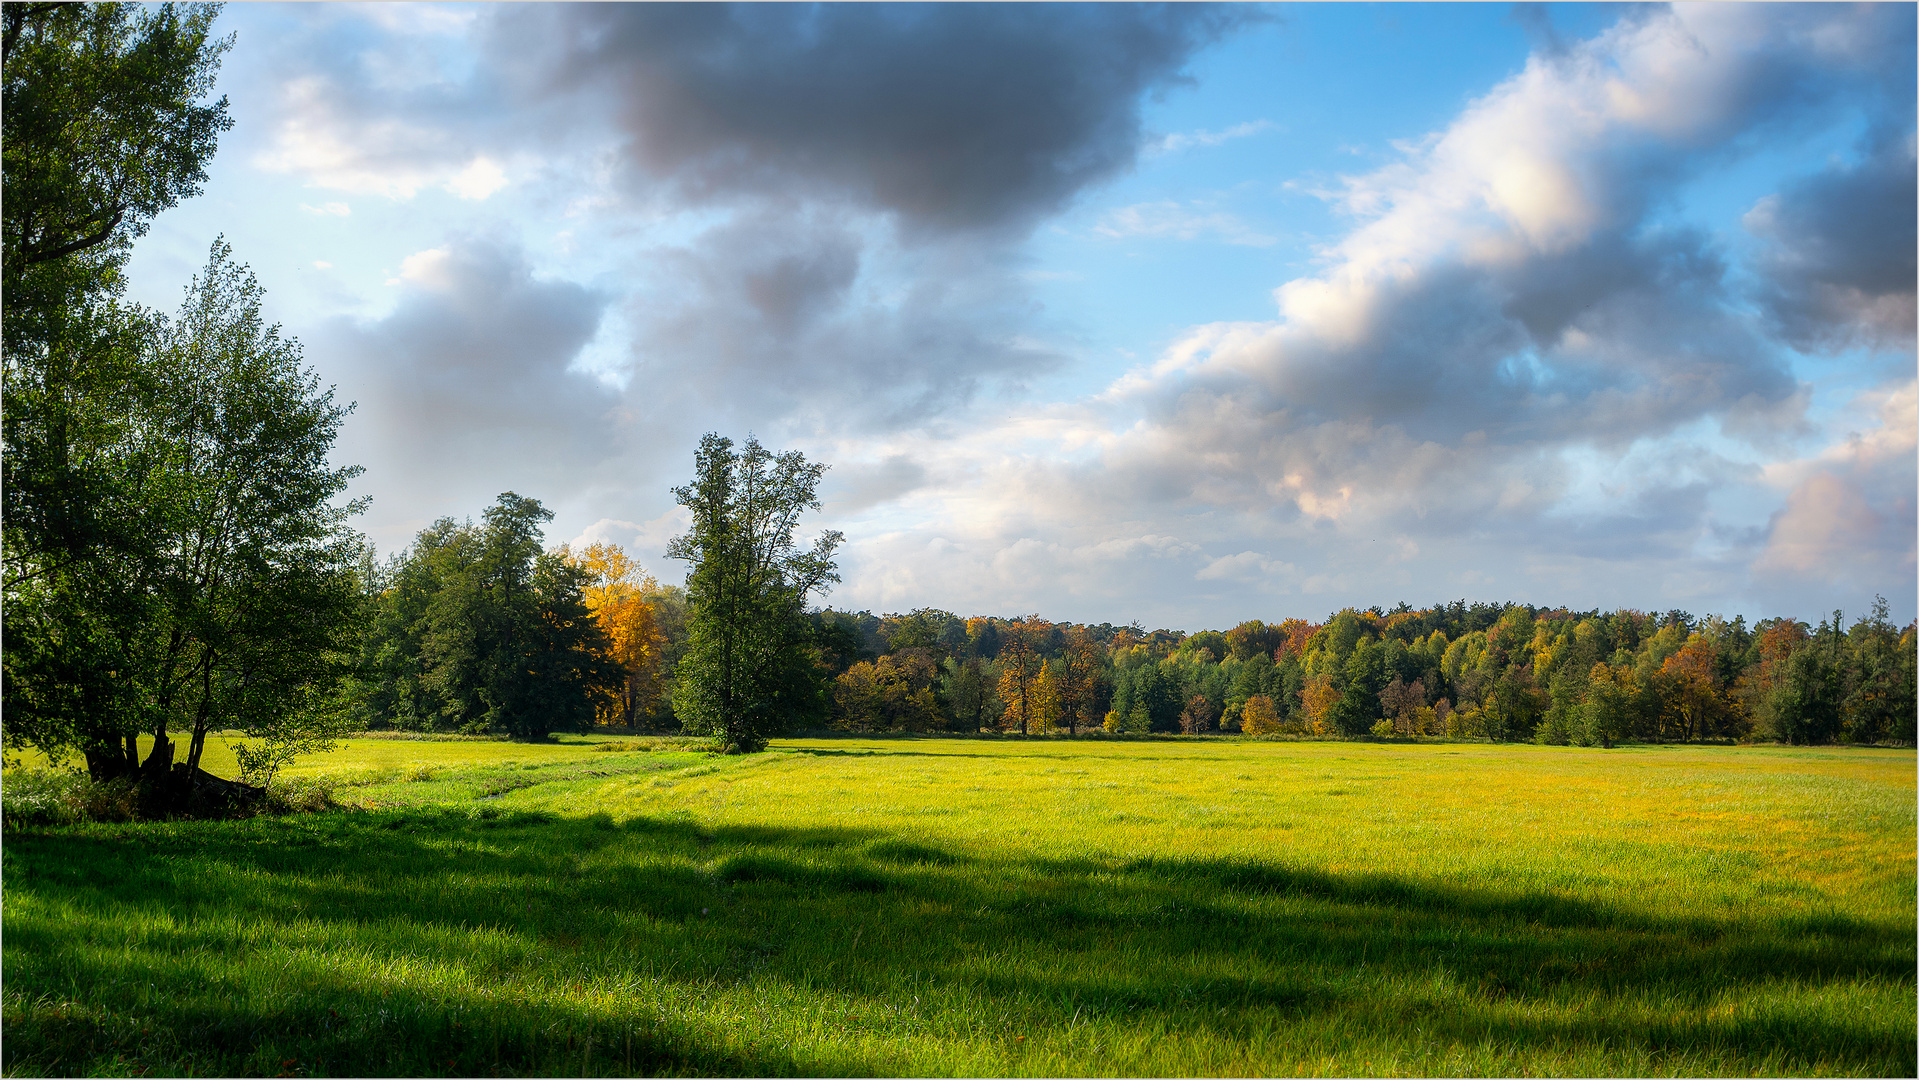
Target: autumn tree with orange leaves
column 1690, row 687
column 618, row 593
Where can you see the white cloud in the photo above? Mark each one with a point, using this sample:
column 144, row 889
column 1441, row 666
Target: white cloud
column 1849, row 510
column 1171, row 144
column 478, row 180
column 317, row 140
column 441, row 19
column 426, row 268
column 1168, row 219
column 335, row 143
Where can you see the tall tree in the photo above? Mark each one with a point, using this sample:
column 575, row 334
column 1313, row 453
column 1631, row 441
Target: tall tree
column 1078, row 680
column 749, row 671
column 479, row 629
column 1020, row 664
column 104, row 127
column 239, row 607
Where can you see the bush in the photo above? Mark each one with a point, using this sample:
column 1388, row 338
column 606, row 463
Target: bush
column 43, row 796
column 1558, row 729
column 65, row 796
column 69, row 796
column 305, row 795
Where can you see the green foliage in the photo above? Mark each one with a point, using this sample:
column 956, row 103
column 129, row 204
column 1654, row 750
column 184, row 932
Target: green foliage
column 103, row 125
column 969, row 689
column 1806, row 707
column 749, row 671
column 102, row 130
column 43, row 796
column 174, row 559
column 235, row 607
column 479, row 629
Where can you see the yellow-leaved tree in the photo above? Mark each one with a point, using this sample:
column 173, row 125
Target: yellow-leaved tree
column 1259, row 716
column 617, row 593
column 1021, row 663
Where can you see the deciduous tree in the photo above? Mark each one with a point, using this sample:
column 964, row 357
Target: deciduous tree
column 748, row 672
column 238, row 608
column 619, row 594
column 1020, row 664
column 1259, row 716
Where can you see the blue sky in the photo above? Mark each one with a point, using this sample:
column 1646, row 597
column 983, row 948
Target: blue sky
column 1181, row 315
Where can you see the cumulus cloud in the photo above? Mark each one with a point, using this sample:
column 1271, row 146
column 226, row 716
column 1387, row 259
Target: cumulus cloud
column 1520, row 358
column 373, row 99
column 466, row 388
column 822, row 320
column 1511, row 289
column 1849, row 513
column 951, row 117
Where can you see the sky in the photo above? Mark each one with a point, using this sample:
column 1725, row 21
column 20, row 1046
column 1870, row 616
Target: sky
column 1182, row 315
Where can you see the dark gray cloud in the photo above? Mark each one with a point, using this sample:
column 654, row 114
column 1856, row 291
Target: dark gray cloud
column 1841, row 269
column 1536, row 21
column 861, row 174
column 954, row 117
column 1627, row 337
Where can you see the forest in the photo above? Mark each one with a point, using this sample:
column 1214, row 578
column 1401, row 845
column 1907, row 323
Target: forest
column 611, row 637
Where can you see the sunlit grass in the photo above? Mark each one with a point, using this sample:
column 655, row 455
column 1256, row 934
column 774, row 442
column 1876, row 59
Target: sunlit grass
column 984, row 906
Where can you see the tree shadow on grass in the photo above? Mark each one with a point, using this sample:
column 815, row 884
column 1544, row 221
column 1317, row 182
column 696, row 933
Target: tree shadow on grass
column 448, row 942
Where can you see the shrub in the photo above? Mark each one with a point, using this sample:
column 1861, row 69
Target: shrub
column 43, row 796
column 305, row 795
column 64, row 796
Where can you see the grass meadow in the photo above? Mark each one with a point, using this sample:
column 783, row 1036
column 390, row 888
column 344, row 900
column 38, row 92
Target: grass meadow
column 978, row 906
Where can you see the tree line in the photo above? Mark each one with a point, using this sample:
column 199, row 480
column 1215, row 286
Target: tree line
column 1496, row 671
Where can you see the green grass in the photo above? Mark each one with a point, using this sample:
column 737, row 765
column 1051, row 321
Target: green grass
column 913, row 906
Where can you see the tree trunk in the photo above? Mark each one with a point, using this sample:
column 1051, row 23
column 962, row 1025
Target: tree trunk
column 111, row 763
column 200, row 716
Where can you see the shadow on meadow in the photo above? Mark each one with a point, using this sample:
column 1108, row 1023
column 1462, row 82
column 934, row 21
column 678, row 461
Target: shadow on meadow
column 471, row 943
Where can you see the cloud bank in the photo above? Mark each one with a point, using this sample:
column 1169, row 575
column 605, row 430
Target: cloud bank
column 1527, row 368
